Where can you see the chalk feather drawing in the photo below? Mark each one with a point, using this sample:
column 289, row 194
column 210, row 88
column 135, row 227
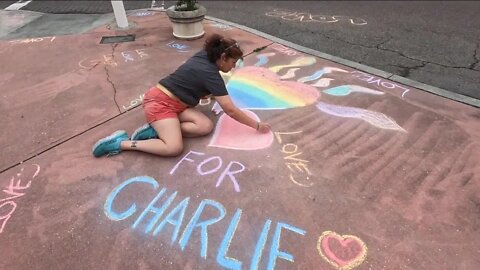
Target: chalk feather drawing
column 263, row 59
column 298, row 62
column 323, row 82
column 320, row 73
column 344, row 252
column 374, row 118
column 231, row 134
column 290, row 74
column 345, row 90
column 262, row 89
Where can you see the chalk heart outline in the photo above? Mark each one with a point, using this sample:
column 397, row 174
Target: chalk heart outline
column 307, row 94
column 345, row 242
column 231, row 134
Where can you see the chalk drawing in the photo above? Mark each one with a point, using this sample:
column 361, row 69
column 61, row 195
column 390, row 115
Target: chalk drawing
column 320, row 73
column 221, row 26
column 14, row 190
column 135, row 102
column 374, row 118
column 233, row 168
column 176, row 215
column 109, row 60
column 285, row 50
column 142, row 13
column 323, row 82
column 298, row 62
column 297, row 166
column 205, row 101
column 259, row 88
column 178, row 46
column 263, row 58
column 345, row 90
column 32, row 40
column 290, row 74
column 230, row 134
column 308, row 17
column 344, row 252
column 380, row 82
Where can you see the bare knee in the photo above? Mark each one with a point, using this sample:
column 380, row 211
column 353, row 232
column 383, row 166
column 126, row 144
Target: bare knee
column 206, row 128
column 174, row 150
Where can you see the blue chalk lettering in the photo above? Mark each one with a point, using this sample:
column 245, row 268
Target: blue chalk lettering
column 157, row 211
column 222, row 259
column 108, row 203
column 170, row 218
column 262, row 239
column 203, row 225
column 274, row 252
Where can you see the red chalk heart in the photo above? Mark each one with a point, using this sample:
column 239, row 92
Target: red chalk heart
column 344, row 252
column 231, row 134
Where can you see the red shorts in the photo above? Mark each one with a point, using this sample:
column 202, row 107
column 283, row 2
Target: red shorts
column 157, row 105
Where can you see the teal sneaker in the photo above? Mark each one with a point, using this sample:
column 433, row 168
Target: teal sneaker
column 110, row 145
column 144, row 132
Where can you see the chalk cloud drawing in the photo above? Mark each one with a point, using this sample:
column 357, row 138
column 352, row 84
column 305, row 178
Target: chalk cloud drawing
column 344, row 252
column 374, row 118
column 259, row 88
column 290, row 74
column 323, row 82
column 263, row 58
column 301, row 61
column 345, row 90
column 320, row 73
column 233, row 135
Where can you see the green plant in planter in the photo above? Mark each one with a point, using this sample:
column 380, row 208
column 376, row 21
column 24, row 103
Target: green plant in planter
column 186, row 5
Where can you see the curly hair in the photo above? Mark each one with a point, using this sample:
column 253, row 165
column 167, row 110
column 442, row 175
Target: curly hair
column 216, row 44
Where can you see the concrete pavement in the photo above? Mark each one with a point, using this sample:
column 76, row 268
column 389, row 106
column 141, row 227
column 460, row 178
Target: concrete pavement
column 360, row 172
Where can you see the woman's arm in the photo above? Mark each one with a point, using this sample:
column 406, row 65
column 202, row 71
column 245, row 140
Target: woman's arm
column 231, row 110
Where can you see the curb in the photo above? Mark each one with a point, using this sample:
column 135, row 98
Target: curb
column 380, row 73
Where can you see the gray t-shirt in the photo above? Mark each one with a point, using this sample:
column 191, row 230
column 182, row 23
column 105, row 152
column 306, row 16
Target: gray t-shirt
column 196, row 78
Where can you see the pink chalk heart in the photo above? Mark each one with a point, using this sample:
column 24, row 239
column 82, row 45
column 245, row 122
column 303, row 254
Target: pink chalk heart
column 231, row 134
column 344, row 252
column 261, row 89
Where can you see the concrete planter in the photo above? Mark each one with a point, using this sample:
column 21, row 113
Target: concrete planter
column 187, row 25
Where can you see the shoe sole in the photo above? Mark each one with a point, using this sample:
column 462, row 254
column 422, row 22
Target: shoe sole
column 138, row 130
column 113, row 135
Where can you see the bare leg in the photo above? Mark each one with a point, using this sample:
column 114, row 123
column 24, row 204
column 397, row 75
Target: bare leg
column 169, row 143
column 195, row 123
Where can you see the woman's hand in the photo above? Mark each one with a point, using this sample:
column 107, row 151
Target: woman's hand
column 263, row 127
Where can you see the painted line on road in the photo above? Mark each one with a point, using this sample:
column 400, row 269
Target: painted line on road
column 18, row 5
column 380, row 73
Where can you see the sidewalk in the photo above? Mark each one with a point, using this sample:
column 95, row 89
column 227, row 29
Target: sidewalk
column 360, row 172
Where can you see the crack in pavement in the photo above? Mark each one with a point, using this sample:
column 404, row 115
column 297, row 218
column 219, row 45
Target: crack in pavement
column 405, row 72
column 476, row 57
column 108, row 78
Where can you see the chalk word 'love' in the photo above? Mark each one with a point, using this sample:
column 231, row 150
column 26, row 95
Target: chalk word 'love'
column 285, row 50
column 138, row 100
column 203, row 168
column 297, row 166
column 378, row 81
column 14, row 190
column 109, row 60
column 308, row 17
column 31, row 40
column 178, row 46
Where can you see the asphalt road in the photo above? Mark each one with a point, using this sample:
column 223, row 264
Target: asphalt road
column 433, row 42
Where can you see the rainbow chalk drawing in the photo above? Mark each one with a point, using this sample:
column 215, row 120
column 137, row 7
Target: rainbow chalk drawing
column 344, row 252
column 298, row 62
column 345, row 90
column 320, row 73
column 232, row 135
column 263, row 59
column 261, row 89
column 374, row 118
